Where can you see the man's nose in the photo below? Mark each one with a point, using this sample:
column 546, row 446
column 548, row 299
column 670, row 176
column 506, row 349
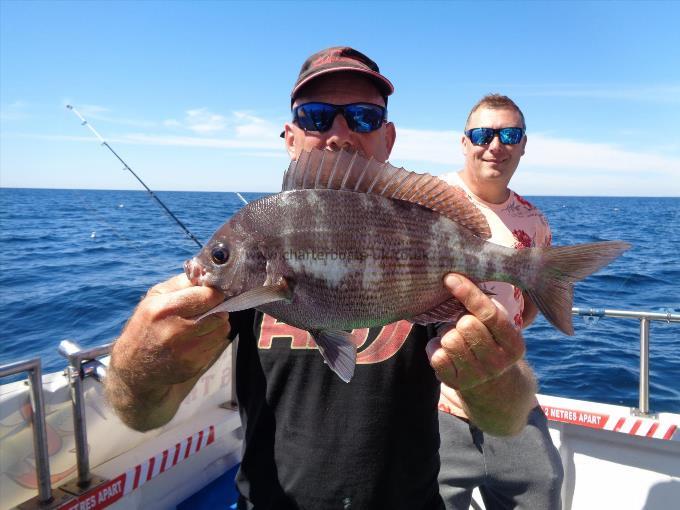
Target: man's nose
column 340, row 136
column 495, row 143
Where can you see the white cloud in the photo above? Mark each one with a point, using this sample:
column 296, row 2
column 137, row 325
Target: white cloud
column 93, row 110
column 104, row 114
column 240, row 125
column 14, row 111
column 203, row 121
column 241, row 130
column 551, row 165
column 427, row 146
column 443, row 147
column 54, row 138
column 647, row 93
column 194, row 141
column 250, row 126
column 440, row 147
column 238, row 130
column 545, row 151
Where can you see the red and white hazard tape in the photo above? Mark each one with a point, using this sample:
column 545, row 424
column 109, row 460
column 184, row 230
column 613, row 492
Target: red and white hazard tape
column 111, row 491
column 142, row 473
column 633, row 425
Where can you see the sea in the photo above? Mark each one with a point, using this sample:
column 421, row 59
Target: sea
column 74, row 264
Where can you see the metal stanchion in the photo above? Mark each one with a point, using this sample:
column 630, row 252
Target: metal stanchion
column 46, row 498
column 644, row 366
column 76, row 372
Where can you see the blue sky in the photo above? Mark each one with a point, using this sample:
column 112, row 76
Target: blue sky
column 193, row 95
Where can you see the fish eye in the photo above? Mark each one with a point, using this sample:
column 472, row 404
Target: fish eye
column 219, row 254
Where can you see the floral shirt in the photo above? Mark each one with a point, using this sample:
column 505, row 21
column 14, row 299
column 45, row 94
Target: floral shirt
column 515, row 223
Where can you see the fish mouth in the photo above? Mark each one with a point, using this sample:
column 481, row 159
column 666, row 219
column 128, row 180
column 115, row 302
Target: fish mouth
column 195, row 272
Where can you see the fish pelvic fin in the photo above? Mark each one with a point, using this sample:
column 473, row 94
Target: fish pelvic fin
column 449, row 311
column 338, row 351
column 561, row 266
column 349, row 171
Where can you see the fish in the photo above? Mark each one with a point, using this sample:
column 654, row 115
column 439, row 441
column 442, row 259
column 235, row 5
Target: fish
column 351, row 242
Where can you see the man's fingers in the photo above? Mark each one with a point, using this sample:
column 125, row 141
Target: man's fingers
column 481, row 306
column 177, row 282
column 454, row 363
column 191, row 302
column 196, row 347
column 472, row 297
column 489, row 358
column 440, row 361
column 217, row 321
column 214, row 341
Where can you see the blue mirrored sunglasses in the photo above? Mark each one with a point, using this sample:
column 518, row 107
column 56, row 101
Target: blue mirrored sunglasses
column 507, row 136
column 360, row 117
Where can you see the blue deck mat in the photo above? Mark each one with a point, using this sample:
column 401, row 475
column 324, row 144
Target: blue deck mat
column 218, row 494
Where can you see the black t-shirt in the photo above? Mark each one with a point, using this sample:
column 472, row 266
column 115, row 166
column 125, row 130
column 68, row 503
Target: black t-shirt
column 314, row 442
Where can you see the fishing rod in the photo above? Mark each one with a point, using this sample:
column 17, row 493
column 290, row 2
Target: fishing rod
column 127, row 167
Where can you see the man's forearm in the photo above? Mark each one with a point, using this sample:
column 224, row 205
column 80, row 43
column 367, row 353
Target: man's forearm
column 501, row 405
column 145, row 409
column 163, row 351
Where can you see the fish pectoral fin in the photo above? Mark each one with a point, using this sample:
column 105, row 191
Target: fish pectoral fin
column 338, row 350
column 253, row 298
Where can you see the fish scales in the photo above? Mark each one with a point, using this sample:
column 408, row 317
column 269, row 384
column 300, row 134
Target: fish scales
column 361, row 256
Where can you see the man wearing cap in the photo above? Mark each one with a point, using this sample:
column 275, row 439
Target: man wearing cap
column 311, row 440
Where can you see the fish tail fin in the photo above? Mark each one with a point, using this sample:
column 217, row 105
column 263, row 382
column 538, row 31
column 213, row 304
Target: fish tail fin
column 561, row 266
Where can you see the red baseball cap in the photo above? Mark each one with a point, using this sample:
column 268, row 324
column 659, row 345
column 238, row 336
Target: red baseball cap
column 338, row 59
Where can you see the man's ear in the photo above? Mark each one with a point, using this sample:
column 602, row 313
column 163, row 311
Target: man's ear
column 289, row 140
column 390, row 137
column 463, row 145
column 524, row 144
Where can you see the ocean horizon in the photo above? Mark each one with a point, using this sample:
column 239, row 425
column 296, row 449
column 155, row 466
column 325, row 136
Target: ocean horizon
column 276, row 191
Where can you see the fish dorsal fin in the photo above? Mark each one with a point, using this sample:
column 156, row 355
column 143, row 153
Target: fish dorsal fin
column 349, row 171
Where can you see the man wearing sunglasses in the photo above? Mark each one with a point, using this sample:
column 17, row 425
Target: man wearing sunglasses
column 311, row 440
column 523, row 471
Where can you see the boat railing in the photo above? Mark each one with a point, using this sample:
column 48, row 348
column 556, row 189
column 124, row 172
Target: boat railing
column 83, row 363
column 644, row 318
column 42, row 464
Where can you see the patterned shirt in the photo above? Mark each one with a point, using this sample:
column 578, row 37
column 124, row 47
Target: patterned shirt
column 514, row 223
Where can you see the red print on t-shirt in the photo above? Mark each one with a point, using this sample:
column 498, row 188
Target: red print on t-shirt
column 385, row 345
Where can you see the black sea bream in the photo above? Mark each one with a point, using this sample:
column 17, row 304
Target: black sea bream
column 354, row 243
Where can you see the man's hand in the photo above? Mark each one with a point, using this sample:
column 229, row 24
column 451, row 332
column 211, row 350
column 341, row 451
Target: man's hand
column 162, row 351
column 480, row 358
column 481, row 346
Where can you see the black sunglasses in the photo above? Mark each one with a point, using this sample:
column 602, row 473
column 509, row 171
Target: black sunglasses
column 507, row 136
column 360, row 117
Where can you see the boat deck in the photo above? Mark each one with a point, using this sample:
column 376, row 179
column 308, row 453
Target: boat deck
column 220, row 494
